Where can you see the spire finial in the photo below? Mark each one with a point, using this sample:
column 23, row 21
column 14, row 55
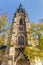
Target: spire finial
column 20, row 9
column 20, row 6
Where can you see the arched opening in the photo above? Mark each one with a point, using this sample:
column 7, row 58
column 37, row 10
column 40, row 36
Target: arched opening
column 21, row 40
column 21, row 21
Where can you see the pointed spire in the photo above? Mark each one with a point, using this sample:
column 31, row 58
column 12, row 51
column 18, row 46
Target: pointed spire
column 20, row 6
column 20, row 9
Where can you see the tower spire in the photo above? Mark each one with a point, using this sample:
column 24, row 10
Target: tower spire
column 20, row 9
column 20, row 6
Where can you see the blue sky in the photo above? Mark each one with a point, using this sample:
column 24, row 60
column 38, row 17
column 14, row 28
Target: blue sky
column 34, row 8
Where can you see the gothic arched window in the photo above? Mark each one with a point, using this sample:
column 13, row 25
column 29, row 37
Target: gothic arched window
column 21, row 21
column 21, row 40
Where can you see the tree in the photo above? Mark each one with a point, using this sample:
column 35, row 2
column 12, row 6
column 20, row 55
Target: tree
column 3, row 29
column 35, row 52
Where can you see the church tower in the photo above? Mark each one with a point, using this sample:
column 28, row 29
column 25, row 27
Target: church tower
column 19, row 28
column 18, row 36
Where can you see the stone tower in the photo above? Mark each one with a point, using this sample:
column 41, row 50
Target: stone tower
column 18, row 36
column 18, row 28
column 20, row 31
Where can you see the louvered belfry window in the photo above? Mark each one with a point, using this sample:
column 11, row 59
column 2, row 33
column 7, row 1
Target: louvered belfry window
column 21, row 21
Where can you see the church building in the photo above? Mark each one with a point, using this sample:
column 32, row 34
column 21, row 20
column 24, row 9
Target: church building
column 19, row 33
